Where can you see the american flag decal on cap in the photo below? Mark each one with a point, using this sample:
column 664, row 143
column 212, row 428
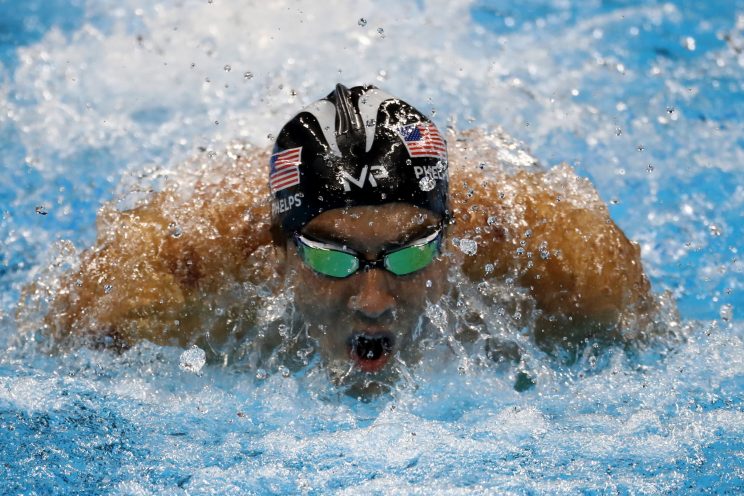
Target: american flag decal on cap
column 284, row 169
column 423, row 140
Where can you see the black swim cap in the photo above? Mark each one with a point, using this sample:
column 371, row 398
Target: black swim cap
column 358, row 146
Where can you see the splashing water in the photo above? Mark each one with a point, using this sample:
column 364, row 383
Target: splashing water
column 102, row 101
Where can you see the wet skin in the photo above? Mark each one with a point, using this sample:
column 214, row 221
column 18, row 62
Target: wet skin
column 364, row 322
column 141, row 281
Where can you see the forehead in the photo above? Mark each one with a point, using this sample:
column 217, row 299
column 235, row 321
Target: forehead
column 372, row 225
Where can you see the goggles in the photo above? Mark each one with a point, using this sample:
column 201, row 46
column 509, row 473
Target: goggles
column 335, row 261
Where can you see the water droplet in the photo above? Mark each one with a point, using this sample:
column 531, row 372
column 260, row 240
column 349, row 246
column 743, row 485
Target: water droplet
column 362, row 21
column 107, row 288
column 371, row 122
column 437, row 315
column 649, row 168
column 640, row 148
column 428, row 283
column 491, row 220
column 381, row 32
column 520, row 251
column 227, row 68
column 284, row 371
column 618, row 131
column 192, row 360
column 726, row 312
column 488, row 268
column 261, row 374
column 468, row 246
column 247, row 75
column 427, row 183
column 41, row 210
column 175, row 230
column 714, row 230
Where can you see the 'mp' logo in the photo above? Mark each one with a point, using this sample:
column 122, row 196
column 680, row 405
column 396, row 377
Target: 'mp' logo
column 368, row 174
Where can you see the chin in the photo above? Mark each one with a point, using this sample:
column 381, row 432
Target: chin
column 351, row 378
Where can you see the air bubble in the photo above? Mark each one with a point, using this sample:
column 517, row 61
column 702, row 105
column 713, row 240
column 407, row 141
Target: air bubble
column 247, row 75
column 261, row 374
column 227, row 68
column 362, row 21
column 381, row 32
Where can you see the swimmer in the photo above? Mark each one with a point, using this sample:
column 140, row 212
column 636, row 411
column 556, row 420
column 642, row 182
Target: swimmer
column 368, row 219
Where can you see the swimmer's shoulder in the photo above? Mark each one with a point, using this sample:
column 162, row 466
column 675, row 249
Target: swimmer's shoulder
column 158, row 271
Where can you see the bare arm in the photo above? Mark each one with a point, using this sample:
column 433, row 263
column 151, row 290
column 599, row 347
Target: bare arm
column 161, row 271
column 551, row 234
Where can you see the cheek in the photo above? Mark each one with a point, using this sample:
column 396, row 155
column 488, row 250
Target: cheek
column 428, row 285
column 317, row 296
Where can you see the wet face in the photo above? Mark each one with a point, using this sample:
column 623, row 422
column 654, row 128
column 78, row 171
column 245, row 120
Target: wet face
column 365, row 321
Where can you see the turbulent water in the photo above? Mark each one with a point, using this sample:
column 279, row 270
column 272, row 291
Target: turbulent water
column 102, row 101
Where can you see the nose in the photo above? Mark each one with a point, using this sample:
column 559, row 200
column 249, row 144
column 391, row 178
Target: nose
column 373, row 298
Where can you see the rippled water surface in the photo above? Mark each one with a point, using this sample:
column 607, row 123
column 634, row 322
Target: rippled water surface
column 102, row 99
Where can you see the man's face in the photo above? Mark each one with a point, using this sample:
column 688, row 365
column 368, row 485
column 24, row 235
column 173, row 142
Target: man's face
column 363, row 321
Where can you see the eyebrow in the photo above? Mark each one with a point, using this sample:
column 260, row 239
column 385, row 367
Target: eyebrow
column 334, row 237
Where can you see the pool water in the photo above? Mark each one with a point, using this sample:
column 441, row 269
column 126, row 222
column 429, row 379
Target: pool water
column 101, row 100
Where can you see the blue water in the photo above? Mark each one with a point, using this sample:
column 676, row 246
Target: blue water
column 100, row 98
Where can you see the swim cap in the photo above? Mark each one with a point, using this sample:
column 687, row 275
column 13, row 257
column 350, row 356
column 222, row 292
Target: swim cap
column 358, row 146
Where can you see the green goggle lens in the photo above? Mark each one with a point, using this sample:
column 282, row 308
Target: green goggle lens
column 411, row 259
column 330, row 261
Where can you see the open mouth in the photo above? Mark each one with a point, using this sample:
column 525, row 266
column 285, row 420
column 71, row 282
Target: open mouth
column 371, row 351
